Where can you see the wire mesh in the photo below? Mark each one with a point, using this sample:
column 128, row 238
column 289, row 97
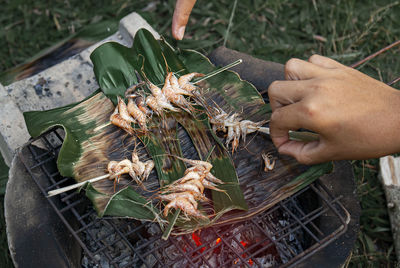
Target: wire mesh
column 282, row 236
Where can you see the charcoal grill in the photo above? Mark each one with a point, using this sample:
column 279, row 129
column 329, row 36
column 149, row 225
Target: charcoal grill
column 316, row 227
column 286, row 235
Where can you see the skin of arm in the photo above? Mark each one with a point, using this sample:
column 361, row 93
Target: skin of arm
column 356, row 116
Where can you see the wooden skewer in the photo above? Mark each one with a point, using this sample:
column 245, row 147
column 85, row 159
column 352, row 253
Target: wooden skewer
column 220, row 70
column 293, row 135
column 213, row 73
column 76, row 185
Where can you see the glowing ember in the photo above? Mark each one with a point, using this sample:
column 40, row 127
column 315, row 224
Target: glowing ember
column 198, row 242
column 244, row 244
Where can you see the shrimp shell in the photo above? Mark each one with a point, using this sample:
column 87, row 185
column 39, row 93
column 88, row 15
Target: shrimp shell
column 210, row 177
column 132, row 88
column 118, row 121
column 162, row 101
column 182, row 188
column 196, row 183
column 149, row 165
column 175, row 97
column 155, row 90
column 122, row 167
column 187, row 195
column 244, row 128
column 142, row 105
column 174, row 84
column 269, row 162
column 200, row 170
column 184, row 81
column 152, row 103
column 230, row 137
column 111, row 166
column 185, row 206
column 188, row 176
column 139, row 168
column 206, row 165
column 210, row 185
column 123, row 111
column 236, row 137
column 137, row 114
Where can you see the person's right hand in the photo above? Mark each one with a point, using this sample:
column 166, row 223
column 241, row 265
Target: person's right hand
column 356, row 116
column 181, row 17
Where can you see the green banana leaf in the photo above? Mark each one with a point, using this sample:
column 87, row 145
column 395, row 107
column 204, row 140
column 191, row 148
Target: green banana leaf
column 91, row 142
column 154, row 66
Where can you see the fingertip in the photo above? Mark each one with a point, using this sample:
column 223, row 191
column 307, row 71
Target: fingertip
column 315, row 58
column 279, row 141
column 291, row 67
column 180, row 18
column 324, row 61
column 180, row 33
column 302, row 151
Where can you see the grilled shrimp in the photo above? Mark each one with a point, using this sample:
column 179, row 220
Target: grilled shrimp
column 269, row 162
column 247, row 127
column 118, row 121
column 210, row 185
column 162, row 101
column 149, row 165
column 123, row 111
column 138, row 166
column 176, row 87
column 185, row 206
column 122, row 167
column 181, row 188
column 236, row 137
column 218, row 120
column 206, row 165
column 175, row 97
column 187, row 195
column 210, row 177
column 111, row 167
column 189, row 185
column 142, row 105
column 184, row 81
column 152, row 103
column 132, row 89
column 188, row 176
column 137, row 114
column 200, row 170
column 116, row 169
column 197, row 183
column 230, row 137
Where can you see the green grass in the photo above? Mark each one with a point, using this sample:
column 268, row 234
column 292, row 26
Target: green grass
column 5, row 260
column 276, row 30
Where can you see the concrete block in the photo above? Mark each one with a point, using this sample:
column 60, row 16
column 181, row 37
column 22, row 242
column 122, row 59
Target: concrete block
column 64, row 83
column 12, row 127
column 130, row 24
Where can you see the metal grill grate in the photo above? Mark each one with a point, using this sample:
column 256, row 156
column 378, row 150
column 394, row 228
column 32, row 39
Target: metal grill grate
column 287, row 233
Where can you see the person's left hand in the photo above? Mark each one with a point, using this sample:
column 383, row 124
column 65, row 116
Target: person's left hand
column 182, row 11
